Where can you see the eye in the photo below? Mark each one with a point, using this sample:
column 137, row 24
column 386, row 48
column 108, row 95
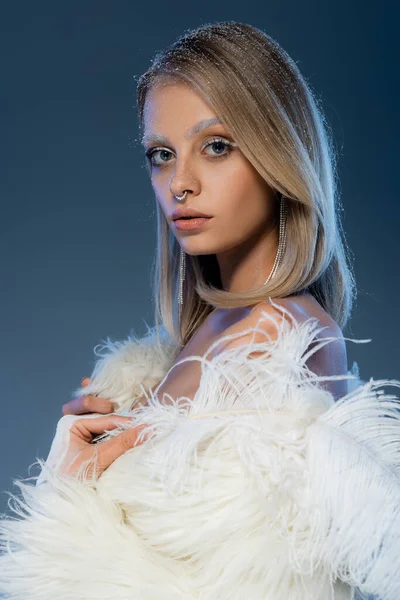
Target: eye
column 217, row 142
column 220, row 142
column 153, row 151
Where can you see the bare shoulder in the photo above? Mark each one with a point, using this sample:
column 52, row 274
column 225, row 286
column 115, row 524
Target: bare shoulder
column 263, row 319
column 330, row 359
column 254, row 324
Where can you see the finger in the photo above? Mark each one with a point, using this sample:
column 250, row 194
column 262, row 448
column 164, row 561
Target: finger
column 96, row 425
column 85, row 381
column 109, row 451
column 87, row 404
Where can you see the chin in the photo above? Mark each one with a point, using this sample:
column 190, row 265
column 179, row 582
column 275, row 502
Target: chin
column 197, row 247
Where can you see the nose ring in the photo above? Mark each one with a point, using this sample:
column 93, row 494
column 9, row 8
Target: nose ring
column 181, row 197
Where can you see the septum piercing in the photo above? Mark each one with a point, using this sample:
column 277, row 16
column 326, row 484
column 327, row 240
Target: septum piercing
column 181, row 197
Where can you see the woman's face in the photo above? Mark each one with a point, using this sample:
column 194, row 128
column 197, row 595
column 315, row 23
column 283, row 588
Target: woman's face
column 221, row 182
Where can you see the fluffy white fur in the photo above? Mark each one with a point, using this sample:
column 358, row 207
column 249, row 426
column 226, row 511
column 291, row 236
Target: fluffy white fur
column 260, row 488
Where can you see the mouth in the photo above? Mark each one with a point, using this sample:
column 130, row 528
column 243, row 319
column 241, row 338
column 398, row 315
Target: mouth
column 176, row 217
column 189, row 223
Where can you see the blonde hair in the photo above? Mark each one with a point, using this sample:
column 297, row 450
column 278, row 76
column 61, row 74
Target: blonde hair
column 260, row 95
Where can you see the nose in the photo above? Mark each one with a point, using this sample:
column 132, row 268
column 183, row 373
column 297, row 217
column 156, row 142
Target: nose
column 184, row 182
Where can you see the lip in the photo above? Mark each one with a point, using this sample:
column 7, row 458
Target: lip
column 187, row 212
column 191, row 224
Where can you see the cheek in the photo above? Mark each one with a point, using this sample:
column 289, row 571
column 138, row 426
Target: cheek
column 245, row 199
column 161, row 195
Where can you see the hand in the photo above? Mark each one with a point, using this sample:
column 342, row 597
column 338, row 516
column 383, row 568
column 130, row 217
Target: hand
column 86, row 459
column 87, row 404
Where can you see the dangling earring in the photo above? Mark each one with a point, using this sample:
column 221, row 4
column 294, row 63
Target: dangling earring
column 278, row 258
column 182, row 274
column 282, row 239
column 182, row 265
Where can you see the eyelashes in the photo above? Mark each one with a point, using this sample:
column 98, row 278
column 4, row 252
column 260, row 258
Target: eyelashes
column 228, row 146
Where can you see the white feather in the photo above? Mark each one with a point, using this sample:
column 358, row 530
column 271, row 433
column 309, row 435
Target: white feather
column 125, row 369
column 261, row 487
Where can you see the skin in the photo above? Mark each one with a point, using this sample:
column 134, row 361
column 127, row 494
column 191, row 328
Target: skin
column 83, row 431
column 221, row 183
column 242, row 234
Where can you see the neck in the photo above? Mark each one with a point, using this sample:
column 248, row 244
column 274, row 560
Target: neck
column 248, row 265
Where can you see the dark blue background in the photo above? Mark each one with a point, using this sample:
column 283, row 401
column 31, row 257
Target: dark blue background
column 77, row 227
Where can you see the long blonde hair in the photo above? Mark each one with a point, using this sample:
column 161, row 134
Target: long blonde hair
column 260, row 95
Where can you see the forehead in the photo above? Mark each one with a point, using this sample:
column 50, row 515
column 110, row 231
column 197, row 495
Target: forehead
column 169, row 95
column 172, row 107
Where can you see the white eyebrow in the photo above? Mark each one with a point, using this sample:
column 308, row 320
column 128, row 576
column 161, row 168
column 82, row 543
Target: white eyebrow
column 191, row 132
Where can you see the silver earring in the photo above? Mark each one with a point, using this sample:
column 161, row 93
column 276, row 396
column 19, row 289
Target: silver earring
column 182, row 274
column 282, row 239
column 182, row 267
column 278, row 258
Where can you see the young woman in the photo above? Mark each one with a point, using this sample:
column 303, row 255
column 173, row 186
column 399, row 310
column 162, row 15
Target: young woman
column 253, row 289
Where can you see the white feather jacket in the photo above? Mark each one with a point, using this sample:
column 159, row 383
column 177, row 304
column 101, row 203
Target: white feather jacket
column 260, row 488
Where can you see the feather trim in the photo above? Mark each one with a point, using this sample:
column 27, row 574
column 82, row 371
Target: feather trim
column 125, row 369
column 242, row 492
column 70, row 542
column 355, row 530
